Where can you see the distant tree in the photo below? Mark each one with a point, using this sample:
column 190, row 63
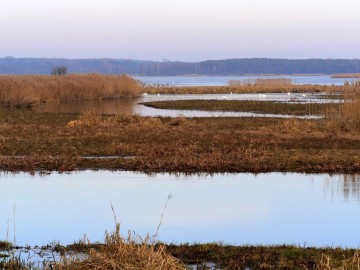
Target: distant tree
column 59, row 70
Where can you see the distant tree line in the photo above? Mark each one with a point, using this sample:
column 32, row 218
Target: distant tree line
column 11, row 65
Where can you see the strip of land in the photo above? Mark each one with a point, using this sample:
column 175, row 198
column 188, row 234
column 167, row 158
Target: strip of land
column 32, row 141
column 262, row 107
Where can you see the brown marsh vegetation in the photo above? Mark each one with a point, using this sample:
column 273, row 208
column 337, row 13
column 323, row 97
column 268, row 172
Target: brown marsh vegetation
column 131, row 252
column 48, row 141
column 346, row 75
column 262, row 82
column 27, row 91
column 116, row 252
column 242, row 89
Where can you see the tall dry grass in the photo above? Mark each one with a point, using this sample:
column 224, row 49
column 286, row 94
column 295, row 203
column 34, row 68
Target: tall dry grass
column 25, row 91
column 117, row 252
column 328, row 263
column 124, row 253
column 347, row 116
column 261, row 82
column 346, row 75
column 243, row 89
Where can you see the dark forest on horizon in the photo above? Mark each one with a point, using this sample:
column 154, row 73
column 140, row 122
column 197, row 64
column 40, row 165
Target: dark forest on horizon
column 12, row 65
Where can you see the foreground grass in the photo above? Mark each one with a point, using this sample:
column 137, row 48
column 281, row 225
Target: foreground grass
column 265, row 107
column 131, row 253
column 47, row 141
column 117, row 252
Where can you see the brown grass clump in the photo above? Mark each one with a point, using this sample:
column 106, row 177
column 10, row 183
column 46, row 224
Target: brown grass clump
column 328, row 263
column 125, row 254
column 243, row 89
column 27, row 91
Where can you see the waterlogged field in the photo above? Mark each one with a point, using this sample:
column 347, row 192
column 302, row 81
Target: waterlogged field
column 244, row 211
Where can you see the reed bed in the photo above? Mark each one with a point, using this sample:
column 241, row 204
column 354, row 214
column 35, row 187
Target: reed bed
column 262, row 82
column 27, row 91
column 243, row 89
column 346, row 75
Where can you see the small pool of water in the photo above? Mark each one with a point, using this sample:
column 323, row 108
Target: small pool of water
column 311, row 210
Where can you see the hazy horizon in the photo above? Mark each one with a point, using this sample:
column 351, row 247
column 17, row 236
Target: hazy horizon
column 184, row 30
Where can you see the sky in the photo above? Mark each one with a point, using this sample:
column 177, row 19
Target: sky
column 180, row 30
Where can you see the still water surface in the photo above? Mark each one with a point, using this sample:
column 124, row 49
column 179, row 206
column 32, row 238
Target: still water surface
column 274, row 208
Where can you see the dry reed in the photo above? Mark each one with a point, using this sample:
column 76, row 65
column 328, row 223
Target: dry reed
column 262, row 82
column 346, row 75
column 346, row 118
column 123, row 253
column 26, row 91
column 243, row 89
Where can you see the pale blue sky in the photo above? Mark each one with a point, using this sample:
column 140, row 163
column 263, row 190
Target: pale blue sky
column 189, row 30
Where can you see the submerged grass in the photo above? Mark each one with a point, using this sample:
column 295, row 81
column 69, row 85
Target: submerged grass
column 27, row 91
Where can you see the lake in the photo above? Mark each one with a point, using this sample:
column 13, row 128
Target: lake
column 275, row 208
column 224, row 80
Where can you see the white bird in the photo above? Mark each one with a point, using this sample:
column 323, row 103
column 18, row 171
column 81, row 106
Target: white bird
column 289, row 93
column 158, row 94
column 224, row 97
column 145, row 94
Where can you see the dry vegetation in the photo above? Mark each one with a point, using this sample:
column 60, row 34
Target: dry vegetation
column 262, row 82
column 242, row 89
column 117, row 252
column 269, row 257
column 133, row 253
column 120, row 253
column 346, row 75
column 46, row 141
column 27, row 91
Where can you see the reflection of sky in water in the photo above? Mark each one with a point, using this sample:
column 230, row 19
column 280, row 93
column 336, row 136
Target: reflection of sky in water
column 234, row 208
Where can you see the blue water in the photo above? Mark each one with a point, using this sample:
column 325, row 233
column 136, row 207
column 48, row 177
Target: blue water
column 224, row 80
column 316, row 210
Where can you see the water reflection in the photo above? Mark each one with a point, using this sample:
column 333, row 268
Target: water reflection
column 347, row 185
column 234, row 208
